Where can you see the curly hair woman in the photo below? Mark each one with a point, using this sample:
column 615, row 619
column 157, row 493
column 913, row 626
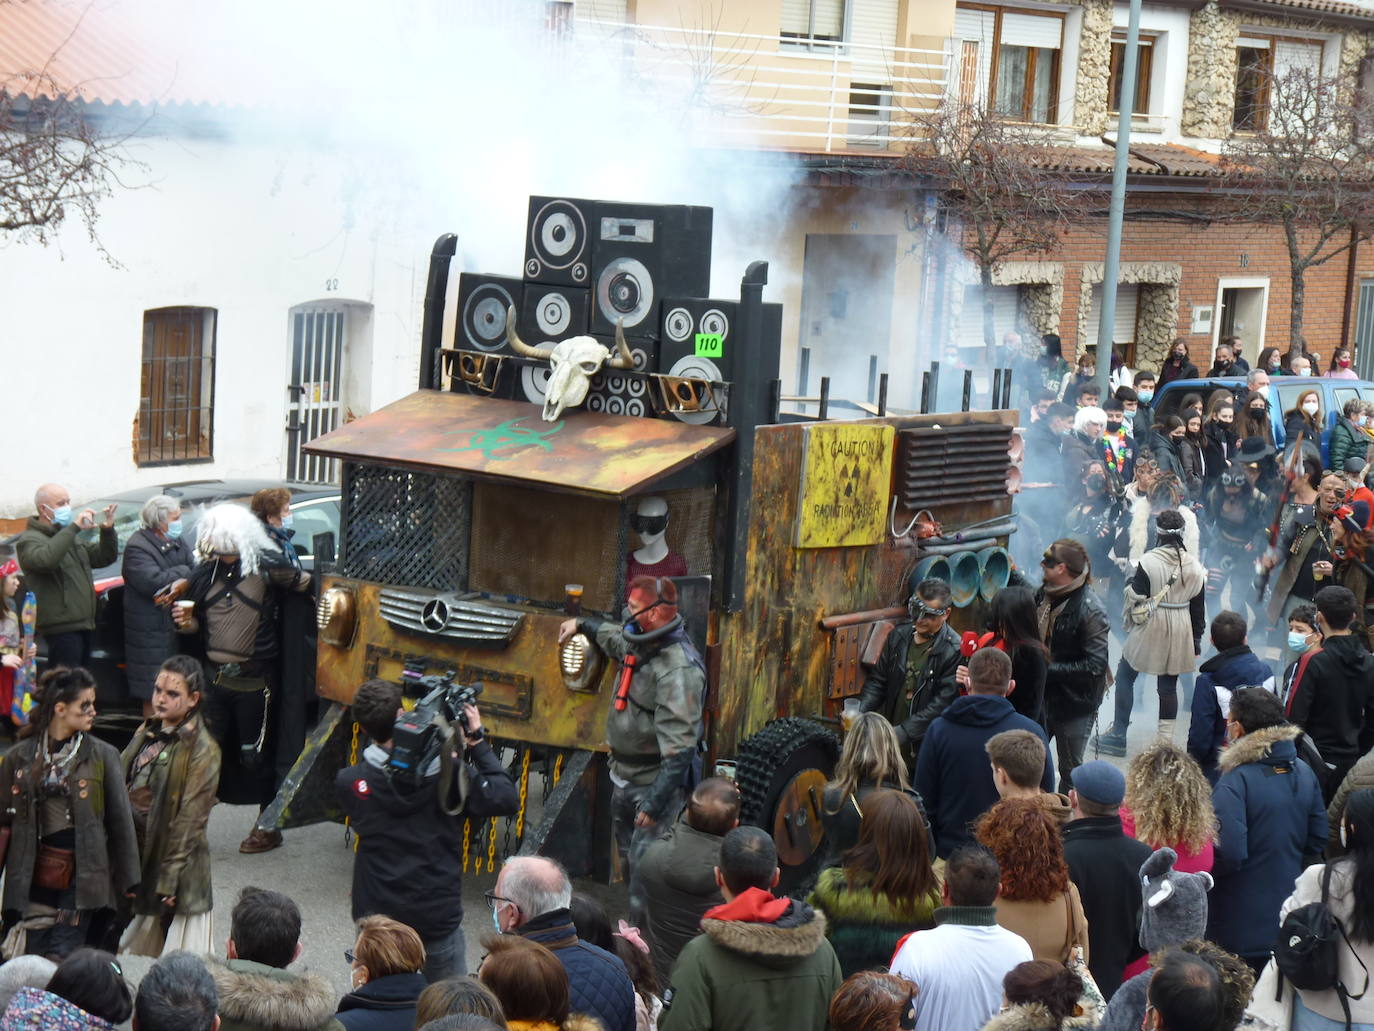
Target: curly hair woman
column 885, row 888
column 870, row 761
column 1037, row 900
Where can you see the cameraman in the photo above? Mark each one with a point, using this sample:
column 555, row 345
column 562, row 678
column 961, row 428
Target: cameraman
column 410, row 850
column 654, row 726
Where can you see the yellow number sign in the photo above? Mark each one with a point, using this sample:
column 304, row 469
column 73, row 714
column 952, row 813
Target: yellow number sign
column 846, row 474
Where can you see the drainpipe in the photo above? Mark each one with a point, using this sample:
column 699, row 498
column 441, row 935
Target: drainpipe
column 1351, row 257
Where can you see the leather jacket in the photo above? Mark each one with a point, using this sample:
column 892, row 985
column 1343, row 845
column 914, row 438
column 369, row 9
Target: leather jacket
column 1077, row 676
column 935, row 686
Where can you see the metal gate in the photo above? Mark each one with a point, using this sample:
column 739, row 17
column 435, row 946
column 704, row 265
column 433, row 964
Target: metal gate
column 314, row 406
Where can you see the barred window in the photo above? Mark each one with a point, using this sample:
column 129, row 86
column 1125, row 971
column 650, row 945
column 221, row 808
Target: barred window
column 177, row 396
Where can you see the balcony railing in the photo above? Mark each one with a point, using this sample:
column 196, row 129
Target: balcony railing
column 744, row 89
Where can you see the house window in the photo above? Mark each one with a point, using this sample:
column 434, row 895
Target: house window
column 1262, row 62
column 1009, row 59
column 813, row 24
column 1143, row 65
column 177, row 396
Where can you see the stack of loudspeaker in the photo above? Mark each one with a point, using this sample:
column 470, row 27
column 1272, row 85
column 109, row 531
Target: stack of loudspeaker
column 591, row 263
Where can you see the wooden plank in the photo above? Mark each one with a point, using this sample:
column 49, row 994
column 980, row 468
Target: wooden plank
column 492, row 439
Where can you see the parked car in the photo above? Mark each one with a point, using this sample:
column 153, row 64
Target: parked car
column 1283, row 396
column 315, row 509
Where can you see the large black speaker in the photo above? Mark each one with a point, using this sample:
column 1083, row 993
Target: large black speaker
column 483, row 301
column 642, row 253
column 553, row 313
column 701, row 340
column 617, row 392
column 558, row 241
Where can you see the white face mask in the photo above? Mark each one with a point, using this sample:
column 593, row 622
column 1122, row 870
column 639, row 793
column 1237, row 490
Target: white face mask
column 1310, row 407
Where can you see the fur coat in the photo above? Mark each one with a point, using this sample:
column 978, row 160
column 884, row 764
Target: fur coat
column 1034, row 1016
column 256, row 997
column 1141, row 529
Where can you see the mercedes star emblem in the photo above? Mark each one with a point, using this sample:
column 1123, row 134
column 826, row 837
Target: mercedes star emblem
column 434, row 616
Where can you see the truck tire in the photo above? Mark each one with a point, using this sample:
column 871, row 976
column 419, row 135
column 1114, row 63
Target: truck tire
column 781, row 773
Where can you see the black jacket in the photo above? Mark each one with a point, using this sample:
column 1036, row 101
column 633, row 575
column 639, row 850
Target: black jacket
column 936, row 687
column 386, row 1004
column 410, row 852
column 1168, row 455
column 1077, row 676
column 1334, row 701
column 840, row 817
column 150, row 564
column 1029, row 668
column 1170, row 372
column 676, row 878
column 1141, row 422
column 1221, row 445
column 1105, row 865
column 598, row 984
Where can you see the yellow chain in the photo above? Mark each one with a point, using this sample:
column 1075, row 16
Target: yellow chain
column 467, row 841
column 491, row 847
column 352, row 761
column 557, row 769
column 524, row 791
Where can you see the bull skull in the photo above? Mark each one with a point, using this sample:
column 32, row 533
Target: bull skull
column 572, row 364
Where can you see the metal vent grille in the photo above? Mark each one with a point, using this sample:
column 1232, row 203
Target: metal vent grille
column 407, row 529
column 952, row 464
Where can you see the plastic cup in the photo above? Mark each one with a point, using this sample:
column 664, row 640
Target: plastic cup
column 849, row 712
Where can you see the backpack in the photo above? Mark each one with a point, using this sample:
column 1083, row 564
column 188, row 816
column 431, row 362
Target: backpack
column 1307, row 950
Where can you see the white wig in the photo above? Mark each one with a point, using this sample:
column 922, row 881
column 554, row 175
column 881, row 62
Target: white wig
column 229, row 529
column 1085, row 417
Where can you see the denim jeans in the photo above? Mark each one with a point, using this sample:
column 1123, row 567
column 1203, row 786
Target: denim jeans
column 631, row 841
column 1070, row 743
column 446, row 956
column 1167, row 685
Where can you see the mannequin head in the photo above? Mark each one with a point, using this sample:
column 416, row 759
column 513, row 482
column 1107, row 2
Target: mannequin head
column 650, row 521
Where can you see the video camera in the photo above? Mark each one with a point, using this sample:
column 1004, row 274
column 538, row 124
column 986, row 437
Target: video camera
column 418, row 735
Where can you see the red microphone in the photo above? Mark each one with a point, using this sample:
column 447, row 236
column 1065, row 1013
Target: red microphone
column 968, row 643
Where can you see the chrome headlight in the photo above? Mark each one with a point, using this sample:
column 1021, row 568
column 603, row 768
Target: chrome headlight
column 580, row 661
column 337, row 616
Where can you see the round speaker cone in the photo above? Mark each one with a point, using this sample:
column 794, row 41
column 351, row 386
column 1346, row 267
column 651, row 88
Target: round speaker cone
column 558, row 234
column 715, row 323
column 484, row 316
column 678, row 325
column 624, row 290
column 554, row 315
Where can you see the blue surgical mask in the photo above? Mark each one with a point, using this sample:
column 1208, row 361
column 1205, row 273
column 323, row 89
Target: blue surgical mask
column 174, row 529
column 62, row 516
column 496, row 920
column 1297, row 641
column 1146, row 396
column 286, row 521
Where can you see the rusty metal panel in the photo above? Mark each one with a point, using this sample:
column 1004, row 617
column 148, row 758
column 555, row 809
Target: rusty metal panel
column 492, row 439
column 878, row 634
column 846, row 675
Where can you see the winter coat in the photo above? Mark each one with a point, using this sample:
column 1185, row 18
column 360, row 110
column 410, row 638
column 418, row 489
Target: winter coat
column 32, row 1009
column 760, row 964
column 1222, row 674
column 654, row 738
column 1297, row 422
column 1168, row 455
column 1347, row 441
column 1221, row 445
column 1105, row 865
column 106, row 846
column 1354, row 959
column 1138, row 536
column 57, row 569
column 841, row 817
column 173, row 847
column 256, row 997
column 1188, row 861
column 598, row 984
column 1078, row 452
column 1334, row 701
column 1029, row 667
column 864, row 926
column 1141, row 423
column 1034, row 1016
column 676, row 878
column 952, row 771
column 1077, row 676
column 1361, row 776
column 936, row 687
column 1169, row 372
column 1269, row 816
column 1167, row 643
column 1051, row 928
column 151, row 563
column 408, row 847
column 1191, row 456
column 386, row 1004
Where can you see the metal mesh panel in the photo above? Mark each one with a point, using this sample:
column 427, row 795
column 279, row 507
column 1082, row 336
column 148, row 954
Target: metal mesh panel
column 407, row 529
column 691, row 530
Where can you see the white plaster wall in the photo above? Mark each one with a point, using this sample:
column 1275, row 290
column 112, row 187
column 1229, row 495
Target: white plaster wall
column 246, row 228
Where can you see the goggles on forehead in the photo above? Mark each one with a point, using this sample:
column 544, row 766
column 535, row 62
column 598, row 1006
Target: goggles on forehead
column 648, row 524
column 1048, row 558
column 920, row 610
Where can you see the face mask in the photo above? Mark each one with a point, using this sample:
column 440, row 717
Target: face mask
column 1146, row 396
column 1090, row 372
column 1344, row 363
column 1297, row 641
column 1097, row 484
column 496, row 921
column 62, row 516
column 1310, row 407
column 1264, row 390
column 287, row 521
column 174, row 529
column 1113, row 427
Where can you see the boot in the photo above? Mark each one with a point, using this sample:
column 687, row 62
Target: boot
column 1166, row 730
column 1112, row 743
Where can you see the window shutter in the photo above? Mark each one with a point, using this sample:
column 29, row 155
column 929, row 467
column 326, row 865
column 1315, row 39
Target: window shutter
column 873, row 23
column 1031, row 30
column 975, row 25
column 1004, row 314
column 796, row 17
column 829, row 18
column 1123, row 326
column 1290, row 55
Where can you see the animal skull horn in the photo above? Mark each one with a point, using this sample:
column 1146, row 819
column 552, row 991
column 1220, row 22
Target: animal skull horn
column 519, row 346
column 624, row 360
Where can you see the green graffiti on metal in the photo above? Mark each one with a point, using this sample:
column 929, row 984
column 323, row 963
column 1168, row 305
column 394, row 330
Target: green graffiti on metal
column 509, row 436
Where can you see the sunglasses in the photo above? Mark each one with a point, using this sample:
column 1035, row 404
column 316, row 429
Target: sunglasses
column 648, row 524
column 1233, row 479
column 1047, row 560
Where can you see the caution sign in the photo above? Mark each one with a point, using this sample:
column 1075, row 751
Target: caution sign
column 846, row 473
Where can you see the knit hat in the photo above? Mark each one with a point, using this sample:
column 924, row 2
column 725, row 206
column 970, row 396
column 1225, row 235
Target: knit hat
column 1173, row 905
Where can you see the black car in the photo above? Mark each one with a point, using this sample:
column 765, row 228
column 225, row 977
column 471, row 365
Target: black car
column 315, row 510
